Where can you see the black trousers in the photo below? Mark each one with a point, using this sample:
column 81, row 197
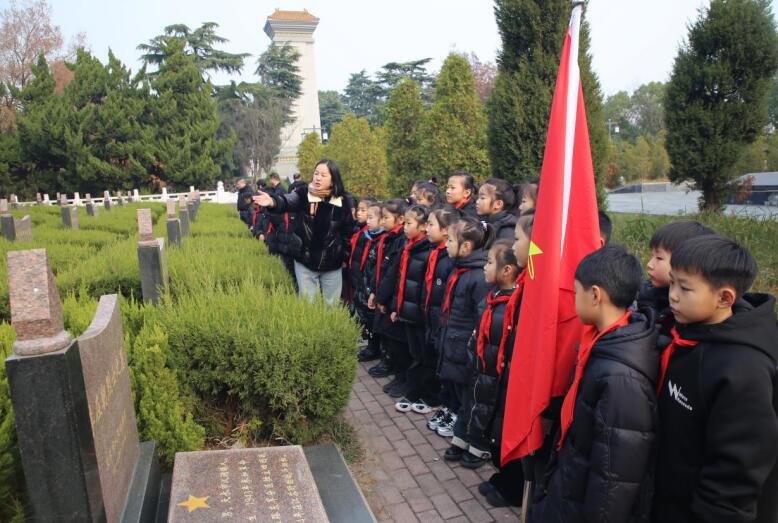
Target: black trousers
column 397, row 354
column 422, row 380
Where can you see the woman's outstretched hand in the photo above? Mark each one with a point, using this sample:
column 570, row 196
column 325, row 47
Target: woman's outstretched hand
column 263, row 199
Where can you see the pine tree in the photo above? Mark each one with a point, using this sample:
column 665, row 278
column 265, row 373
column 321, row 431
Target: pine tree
column 454, row 130
column 309, row 152
column 361, row 156
column 184, row 115
column 405, row 114
column 717, row 96
column 533, row 32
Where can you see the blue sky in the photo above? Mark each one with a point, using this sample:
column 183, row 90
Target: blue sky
column 632, row 42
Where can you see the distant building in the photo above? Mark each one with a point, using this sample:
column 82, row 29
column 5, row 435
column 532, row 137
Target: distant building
column 296, row 29
column 763, row 190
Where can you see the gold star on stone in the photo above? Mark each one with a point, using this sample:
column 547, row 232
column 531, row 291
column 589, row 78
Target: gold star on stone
column 193, row 503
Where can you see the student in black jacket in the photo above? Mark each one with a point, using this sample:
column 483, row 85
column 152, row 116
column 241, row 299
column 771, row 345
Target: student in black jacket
column 487, row 361
column 603, row 468
column 394, row 348
column 719, row 429
column 497, row 204
column 653, row 291
column 461, row 192
column 365, row 310
column 245, row 195
column 439, row 267
column 465, row 290
column 407, row 305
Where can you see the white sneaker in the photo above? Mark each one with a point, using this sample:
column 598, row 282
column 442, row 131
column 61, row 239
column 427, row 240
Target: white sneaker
column 446, row 427
column 421, row 407
column 435, row 420
column 403, row 405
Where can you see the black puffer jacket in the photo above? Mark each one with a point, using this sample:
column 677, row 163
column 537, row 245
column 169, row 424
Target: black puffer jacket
column 658, row 299
column 359, row 240
column 480, row 407
column 367, row 284
column 604, row 471
column 719, row 435
column 321, row 242
column 412, row 308
column 432, row 323
column 468, row 209
column 244, row 204
column 387, row 284
column 504, row 224
column 462, row 318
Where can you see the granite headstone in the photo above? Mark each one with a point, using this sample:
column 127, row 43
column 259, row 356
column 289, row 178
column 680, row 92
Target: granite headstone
column 151, row 259
column 107, row 203
column 173, row 225
column 183, row 215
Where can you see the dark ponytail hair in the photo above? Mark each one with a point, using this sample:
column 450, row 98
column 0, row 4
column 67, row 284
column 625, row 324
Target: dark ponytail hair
column 337, row 182
column 504, row 192
column 470, row 229
column 420, row 212
column 504, row 255
column 447, row 217
column 396, row 206
column 468, row 181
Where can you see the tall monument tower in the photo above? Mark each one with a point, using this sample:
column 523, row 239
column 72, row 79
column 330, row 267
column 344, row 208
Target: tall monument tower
column 296, row 29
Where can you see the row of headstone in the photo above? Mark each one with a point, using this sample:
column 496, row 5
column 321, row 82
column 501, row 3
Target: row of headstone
column 13, row 229
column 151, row 259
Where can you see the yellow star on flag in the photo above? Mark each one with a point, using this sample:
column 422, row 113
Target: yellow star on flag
column 533, row 250
column 193, row 503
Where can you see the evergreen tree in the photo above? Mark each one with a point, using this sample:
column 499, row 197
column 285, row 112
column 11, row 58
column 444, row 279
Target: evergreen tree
column 184, row 116
column 363, row 96
column 361, row 156
column 43, row 150
column 109, row 147
column 533, row 32
column 331, row 109
column 278, row 70
column 405, row 114
column 454, row 130
column 309, row 152
column 717, row 96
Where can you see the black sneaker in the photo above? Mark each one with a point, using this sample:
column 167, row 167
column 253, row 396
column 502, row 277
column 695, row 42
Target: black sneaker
column 496, row 499
column 391, row 384
column 485, row 488
column 368, row 354
column 453, row 453
column 381, row 370
column 399, row 389
column 470, row 461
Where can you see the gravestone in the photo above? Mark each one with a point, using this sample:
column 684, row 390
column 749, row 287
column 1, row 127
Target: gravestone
column 91, row 208
column 14, row 201
column 38, row 198
column 173, row 225
column 46, row 200
column 13, row 229
column 135, row 195
column 107, row 203
column 23, row 229
column 76, row 199
column 153, row 273
column 69, row 215
column 183, row 215
column 258, row 484
column 75, row 420
column 191, row 207
column 120, row 198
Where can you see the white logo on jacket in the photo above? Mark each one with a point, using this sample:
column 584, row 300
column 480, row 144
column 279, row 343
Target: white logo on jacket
column 677, row 395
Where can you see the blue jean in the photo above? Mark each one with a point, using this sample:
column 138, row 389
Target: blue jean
column 310, row 282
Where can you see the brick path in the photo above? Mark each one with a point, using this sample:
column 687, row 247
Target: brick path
column 404, row 475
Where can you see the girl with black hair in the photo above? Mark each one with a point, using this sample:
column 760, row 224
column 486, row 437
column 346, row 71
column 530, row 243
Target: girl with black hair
column 465, row 289
column 497, row 204
column 320, row 243
column 461, row 192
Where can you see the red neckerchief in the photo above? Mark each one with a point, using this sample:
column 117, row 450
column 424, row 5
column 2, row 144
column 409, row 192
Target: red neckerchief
column 462, row 203
column 589, row 337
column 365, row 252
column 486, row 325
column 286, row 222
column 430, row 274
column 404, row 269
column 395, row 230
column 507, row 325
column 354, row 240
column 452, row 281
column 668, row 353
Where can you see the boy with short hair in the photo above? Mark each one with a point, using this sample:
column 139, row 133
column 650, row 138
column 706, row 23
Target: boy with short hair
column 719, row 437
column 666, row 240
column 602, row 470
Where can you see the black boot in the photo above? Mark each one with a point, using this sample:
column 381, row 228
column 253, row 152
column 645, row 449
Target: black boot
column 381, row 370
column 368, row 354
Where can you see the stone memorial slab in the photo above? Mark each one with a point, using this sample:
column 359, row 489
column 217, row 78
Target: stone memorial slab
column 36, row 312
column 171, row 209
column 145, row 225
column 242, row 485
column 14, row 201
column 111, row 411
column 69, row 216
column 63, row 199
column 107, row 203
column 4, row 206
column 23, row 229
column 38, row 198
column 88, row 198
column 46, row 200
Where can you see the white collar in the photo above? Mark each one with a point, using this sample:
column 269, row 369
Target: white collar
column 337, row 201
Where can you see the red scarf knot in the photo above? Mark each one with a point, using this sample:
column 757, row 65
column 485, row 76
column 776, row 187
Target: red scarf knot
column 668, row 353
column 462, row 203
column 589, row 337
column 432, row 264
column 452, row 282
column 404, row 269
column 354, row 241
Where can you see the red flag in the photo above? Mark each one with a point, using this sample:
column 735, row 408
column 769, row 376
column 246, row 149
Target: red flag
column 566, row 229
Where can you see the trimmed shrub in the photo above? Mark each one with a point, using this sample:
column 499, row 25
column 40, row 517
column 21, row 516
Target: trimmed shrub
column 282, row 363
column 113, row 269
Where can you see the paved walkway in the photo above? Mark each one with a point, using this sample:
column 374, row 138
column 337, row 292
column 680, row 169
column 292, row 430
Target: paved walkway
column 404, row 475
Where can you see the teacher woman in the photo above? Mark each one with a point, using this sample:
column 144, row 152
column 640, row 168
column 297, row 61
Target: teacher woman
column 321, row 240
